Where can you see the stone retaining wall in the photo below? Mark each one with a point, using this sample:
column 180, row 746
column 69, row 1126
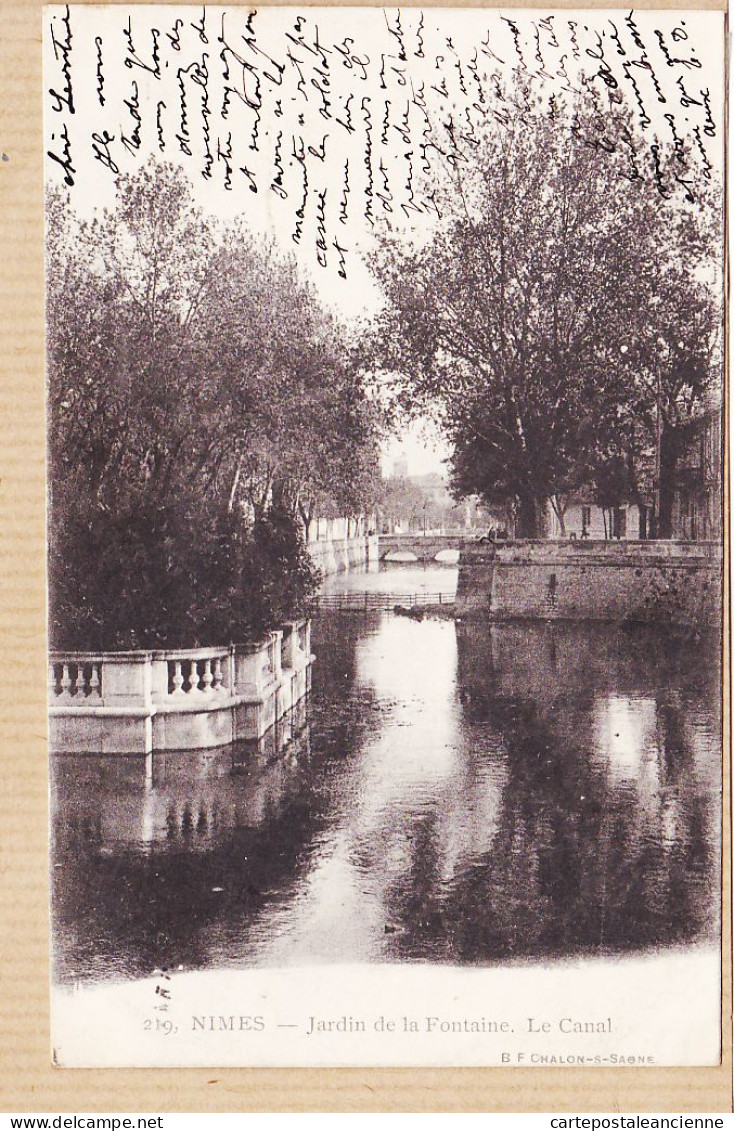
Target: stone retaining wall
column 338, row 555
column 648, row 582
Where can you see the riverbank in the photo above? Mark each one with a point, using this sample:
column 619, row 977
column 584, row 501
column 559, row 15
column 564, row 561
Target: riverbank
column 423, row 611
column 334, row 555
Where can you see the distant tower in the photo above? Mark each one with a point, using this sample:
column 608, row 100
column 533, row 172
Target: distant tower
column 400, row 468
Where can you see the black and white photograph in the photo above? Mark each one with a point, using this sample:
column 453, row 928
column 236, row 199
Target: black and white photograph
column 385, row 415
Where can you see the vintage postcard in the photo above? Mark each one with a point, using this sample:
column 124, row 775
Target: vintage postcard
column 385, row 368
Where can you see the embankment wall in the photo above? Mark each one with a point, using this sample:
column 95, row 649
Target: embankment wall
column 646, row 582
column 338, row 555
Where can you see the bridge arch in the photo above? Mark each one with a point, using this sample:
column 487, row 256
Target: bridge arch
column 399, row 556
column 422, row 547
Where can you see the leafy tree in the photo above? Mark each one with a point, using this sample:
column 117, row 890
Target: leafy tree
column 531, row 315
column 404, row 503
column 193, row 382
column 300, row 424
column 414, row 504
column 612, row 486
column 673, row 359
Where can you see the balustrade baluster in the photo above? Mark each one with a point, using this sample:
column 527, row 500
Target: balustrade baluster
column 217, row 680
column 65, row 680
column 80, row 692
column 95, row 681
column 178, row 678
column 207, row 678
column 193, row 677
column 53, row 680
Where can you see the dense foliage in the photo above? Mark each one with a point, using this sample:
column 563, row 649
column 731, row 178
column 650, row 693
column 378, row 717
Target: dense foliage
column 560, row 310
column 202, row 408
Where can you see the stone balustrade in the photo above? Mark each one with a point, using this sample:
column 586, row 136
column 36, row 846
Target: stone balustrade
column 191, row 673
column 176, row 699
column 296, row 642
column 75, row 678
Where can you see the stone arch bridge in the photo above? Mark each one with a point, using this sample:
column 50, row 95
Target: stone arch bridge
column 425, row 547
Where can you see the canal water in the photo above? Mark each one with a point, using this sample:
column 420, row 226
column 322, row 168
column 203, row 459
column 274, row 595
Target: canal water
column 461, row 794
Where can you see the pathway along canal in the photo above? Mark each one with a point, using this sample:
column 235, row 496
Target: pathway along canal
column 461, row 794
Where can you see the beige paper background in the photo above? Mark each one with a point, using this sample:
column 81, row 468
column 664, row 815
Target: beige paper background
column 28, row 1081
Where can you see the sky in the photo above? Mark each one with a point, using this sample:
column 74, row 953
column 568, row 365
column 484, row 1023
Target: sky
column 423, row 447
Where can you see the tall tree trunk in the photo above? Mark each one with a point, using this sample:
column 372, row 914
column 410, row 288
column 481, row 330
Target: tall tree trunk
column 526, row 520
column 670, row 449
column 283, row 496
column 306, row 511
column 560, row 508
column 235, row 484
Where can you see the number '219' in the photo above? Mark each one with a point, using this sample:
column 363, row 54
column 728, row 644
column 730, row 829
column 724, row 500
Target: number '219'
column 160, row 1025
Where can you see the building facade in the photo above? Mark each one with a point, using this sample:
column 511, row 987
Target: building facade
column 697, row 503
column 584, row 518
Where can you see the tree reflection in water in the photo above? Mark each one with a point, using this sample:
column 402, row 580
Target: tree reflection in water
column 608, row 836
column 465, row 794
